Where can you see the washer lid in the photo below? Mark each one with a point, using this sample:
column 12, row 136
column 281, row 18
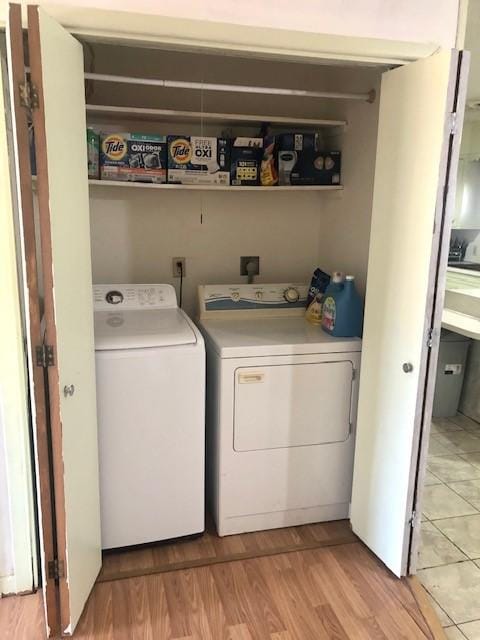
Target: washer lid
column 136, row 329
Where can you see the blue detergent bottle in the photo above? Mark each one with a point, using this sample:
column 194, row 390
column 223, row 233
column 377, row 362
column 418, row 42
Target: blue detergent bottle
column 335, row 285
column 342, row 313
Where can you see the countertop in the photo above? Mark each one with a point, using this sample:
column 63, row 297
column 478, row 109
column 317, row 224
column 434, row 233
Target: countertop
column 464, row 281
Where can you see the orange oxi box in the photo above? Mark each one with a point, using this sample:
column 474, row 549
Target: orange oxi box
column 134, row 157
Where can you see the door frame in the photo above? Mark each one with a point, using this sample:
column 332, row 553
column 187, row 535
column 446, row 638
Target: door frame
column 433, row 320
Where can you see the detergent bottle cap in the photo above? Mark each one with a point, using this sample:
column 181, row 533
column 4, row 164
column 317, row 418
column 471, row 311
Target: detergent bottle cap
column 337, row 276
column 349, row 277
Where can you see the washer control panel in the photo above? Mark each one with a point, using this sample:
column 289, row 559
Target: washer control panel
column 243, row 297
column 109, row 297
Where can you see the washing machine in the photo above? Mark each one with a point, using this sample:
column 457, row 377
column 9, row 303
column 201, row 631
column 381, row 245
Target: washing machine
column 150, row 369
column 281, row 409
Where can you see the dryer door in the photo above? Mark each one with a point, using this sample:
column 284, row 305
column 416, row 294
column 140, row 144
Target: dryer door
column 292, row 405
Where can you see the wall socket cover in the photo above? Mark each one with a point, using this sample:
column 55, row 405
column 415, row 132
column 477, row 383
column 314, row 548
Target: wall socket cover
column 244, row 260
column 175, row 268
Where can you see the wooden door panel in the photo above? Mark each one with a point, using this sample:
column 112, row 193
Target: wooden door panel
column 410, row 176
column 56, row 62
column 24, row 196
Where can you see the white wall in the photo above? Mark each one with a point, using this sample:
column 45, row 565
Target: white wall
column 470, row 147
column 135, row 240
column 137, row 232
column 432, row 21
column 16, row 550
column 472, row 44
column 345, row 236
column 469, row 151
column 6, row 547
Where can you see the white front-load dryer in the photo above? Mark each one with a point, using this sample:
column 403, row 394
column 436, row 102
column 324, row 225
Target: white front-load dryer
column 150, row 367
column 281, row 409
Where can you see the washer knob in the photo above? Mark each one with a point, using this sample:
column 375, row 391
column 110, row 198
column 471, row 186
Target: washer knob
column 258, row 295
column 114, row 297
column 235, row 296
column 291, row 295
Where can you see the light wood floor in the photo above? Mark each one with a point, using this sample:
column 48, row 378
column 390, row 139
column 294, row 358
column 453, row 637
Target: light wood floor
column 22, row 618
column 332, row 593
column 210, row 549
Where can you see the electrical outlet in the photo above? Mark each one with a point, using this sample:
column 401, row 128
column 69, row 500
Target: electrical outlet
column 244, row 260
column 179, row 267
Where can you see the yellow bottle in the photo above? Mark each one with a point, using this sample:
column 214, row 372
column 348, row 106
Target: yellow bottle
column 314, row 311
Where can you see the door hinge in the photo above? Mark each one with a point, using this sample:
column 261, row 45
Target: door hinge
column 28, row 95
column 430, row 338
column 350, row 428
column 413, row 519
column 44, row 356
column 453, row 123
column 354, row 374
column 56, row 569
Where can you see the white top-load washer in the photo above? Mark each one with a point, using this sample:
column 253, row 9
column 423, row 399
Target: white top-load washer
column 281, row 409
column 150, row 365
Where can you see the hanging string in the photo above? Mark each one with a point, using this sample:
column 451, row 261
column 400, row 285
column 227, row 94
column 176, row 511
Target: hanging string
column 202, row 125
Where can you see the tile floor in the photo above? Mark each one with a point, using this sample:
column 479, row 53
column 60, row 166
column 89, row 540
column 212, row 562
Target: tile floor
column 449, row 561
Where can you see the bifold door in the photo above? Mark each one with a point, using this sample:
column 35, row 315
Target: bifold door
column 417, row 157
column 53, row 93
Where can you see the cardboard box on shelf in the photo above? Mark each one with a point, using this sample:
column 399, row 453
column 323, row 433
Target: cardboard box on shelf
column 246, row 159
column 301, row 162
column 134, row 157
column 198, row 160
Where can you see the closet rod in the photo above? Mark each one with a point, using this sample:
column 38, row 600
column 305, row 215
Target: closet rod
column 159, row 114
column 235, row 88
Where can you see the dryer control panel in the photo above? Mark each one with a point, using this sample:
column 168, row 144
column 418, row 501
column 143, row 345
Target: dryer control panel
column 271, row 299
column 112, row 297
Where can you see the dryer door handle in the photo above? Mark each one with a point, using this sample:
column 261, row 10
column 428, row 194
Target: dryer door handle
column 250, row 378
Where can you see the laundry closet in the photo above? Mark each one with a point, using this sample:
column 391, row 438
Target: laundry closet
column 383, row 223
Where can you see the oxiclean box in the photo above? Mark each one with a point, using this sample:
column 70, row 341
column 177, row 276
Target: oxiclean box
column 198, row 160
column 135, row 157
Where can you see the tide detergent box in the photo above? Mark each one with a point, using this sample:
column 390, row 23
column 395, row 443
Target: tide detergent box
column 135, row 157
column 245, row 161
column 198, row 160
column 301, row 162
